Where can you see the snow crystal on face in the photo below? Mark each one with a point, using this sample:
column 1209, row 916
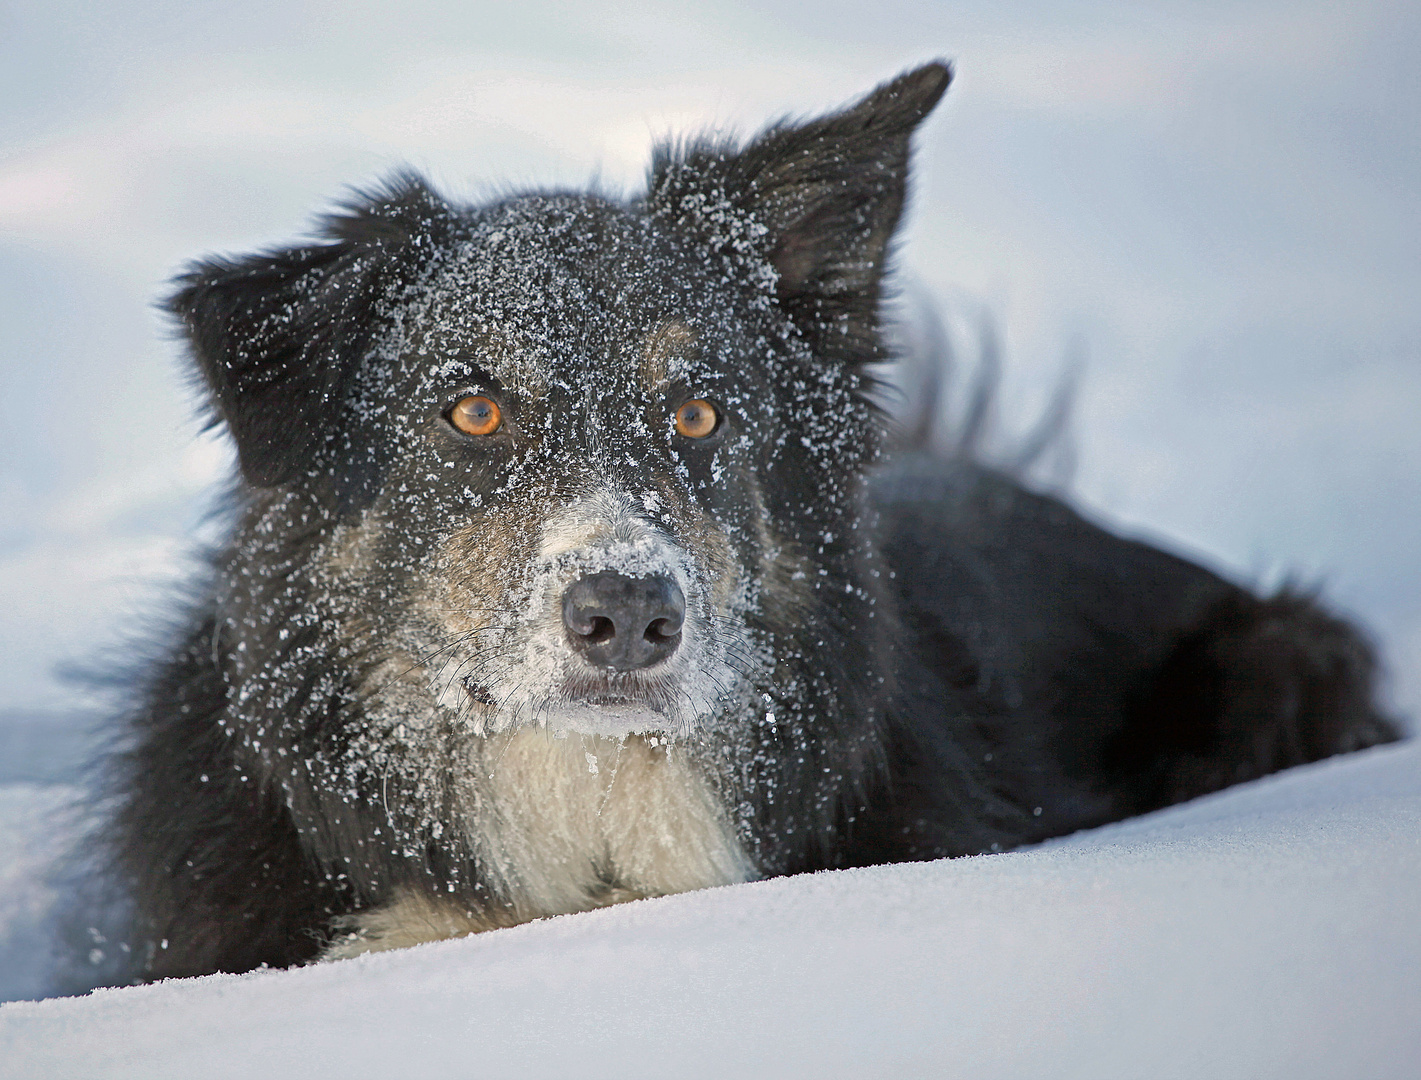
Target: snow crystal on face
column 604, row 532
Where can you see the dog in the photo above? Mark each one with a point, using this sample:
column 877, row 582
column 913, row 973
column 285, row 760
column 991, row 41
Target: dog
column 571, row 561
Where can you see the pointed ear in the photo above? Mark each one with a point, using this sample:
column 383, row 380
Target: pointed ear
column 818, row 201
column 276, row 337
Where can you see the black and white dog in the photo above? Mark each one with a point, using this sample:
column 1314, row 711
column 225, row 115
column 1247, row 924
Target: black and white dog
column 569, row 565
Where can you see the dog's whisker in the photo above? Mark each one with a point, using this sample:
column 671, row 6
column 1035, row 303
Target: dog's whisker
column 423, row 660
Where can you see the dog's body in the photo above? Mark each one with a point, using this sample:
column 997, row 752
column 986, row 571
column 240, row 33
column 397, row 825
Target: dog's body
column 567, row 568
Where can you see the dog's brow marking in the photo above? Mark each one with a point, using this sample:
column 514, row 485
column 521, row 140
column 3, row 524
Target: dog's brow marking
column 507, row 354
column 664, row 352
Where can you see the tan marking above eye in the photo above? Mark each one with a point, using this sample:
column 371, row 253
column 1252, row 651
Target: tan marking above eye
column 667, row 347
column 696, row 419
column 476, row 415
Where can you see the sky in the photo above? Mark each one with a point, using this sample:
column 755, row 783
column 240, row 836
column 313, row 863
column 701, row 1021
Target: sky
column 1207, row 212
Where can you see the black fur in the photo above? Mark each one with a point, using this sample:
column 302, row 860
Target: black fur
column 932, row 660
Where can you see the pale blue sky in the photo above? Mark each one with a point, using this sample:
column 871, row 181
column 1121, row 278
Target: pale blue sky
column 1216, row 203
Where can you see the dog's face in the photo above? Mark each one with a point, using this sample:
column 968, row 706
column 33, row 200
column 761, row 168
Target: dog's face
column 576, row 420
column 568, row 463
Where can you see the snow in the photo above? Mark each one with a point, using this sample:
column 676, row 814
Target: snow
column 1269, row 930
column 34, row 819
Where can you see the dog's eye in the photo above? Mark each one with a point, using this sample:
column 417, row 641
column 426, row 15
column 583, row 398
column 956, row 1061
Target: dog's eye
column 696, row 419
column 476, row 415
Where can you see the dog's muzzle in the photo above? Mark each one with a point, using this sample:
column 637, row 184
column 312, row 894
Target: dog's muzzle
column 624, row 623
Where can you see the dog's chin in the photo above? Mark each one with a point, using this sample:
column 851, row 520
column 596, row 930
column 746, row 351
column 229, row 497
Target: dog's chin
column 609, row 716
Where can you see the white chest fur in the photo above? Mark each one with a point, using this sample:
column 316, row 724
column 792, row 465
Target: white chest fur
column 567, row 824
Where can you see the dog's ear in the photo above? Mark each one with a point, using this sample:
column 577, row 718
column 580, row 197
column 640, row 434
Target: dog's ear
column 277, row 336
column 818, row 201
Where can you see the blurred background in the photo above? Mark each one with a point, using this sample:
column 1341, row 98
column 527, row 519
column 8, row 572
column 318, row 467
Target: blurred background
column 1208, row 211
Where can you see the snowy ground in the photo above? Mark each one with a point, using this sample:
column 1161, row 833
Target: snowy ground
column 1267, row 931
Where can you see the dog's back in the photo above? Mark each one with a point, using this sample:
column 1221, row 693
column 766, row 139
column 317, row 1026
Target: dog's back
column 1100, row 677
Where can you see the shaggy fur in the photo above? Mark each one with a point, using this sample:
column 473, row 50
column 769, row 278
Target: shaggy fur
column 394, row 714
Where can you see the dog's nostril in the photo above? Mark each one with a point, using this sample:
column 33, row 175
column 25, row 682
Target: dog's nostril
column 662, row 630
column 621, row 622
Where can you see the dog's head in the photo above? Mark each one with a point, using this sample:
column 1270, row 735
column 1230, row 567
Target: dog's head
column 565, row 461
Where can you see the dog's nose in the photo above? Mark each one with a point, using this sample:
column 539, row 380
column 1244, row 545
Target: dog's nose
column 621, row 622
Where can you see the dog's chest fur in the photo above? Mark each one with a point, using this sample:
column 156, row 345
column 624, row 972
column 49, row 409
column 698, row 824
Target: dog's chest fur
column 567, row 824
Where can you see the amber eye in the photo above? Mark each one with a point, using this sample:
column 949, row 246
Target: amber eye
column 476, row 415
column 696, row 419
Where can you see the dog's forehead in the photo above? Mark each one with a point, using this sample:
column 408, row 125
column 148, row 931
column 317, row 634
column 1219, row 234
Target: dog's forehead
column 548, row 289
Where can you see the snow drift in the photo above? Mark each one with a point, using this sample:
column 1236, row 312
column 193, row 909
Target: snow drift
column 1269, row 930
